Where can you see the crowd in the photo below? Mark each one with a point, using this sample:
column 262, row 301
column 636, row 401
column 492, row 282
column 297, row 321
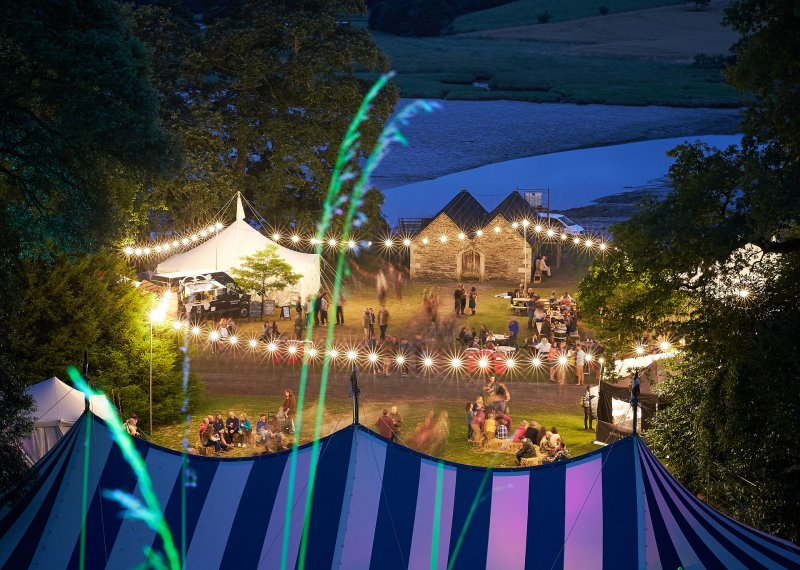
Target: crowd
column 271, row 431
column 488, row 418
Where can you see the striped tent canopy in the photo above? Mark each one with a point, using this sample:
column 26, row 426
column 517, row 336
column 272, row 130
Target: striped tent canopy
column 376, row 505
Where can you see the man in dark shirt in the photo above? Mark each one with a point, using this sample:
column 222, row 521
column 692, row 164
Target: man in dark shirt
column 457, row 299
column 231, row 427
column 385, row 425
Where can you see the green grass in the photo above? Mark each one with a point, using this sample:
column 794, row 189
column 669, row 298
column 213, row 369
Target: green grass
column 568, row 419
column 445, row 68
column 525, row 12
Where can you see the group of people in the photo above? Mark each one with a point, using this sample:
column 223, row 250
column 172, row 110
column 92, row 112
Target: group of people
column 370, row 318
column 538, row 440
column 389, row 423
column 462, row 299
column 271, row 431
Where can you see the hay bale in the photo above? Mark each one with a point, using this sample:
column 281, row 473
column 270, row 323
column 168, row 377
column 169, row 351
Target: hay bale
column 532, row 461
column 501, row 446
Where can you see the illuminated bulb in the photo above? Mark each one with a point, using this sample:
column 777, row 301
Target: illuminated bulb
column 664, row 346
column 184, row 241
column 601, row 360
column 537, row 361
column 400, row 359
column 537, row 228
column 682, row 342
column 312, row 352
column 497, row 229
column 272, row 347
column 479, row 233
column 177, row 325
column 589, row 357
column 515, row 225
column 195, row 237
column 352, row 355
column 253, row 343
column 332, row 242
column 295, row 238
column 425, row 241
column 276, row 237
column 351, row 244
column 372, row 357
column 138, row 251
column 461, row 236
column 550, row 233
column 588, row 243
column 211, row 229
column 525, row 223
column 218, row 226
column 233, row 339
column 203, row 233
column 175, row 243
column 388, row 243
column 428, row 361
column 639, row 349
column 483, row 362
column 443, row 238
column 314, row 241
column 292, row 349
column 510, row 363
column 147, row 251
column 743, row 293
column 455, row 363
column 214, row 336
column 406, row 242
column 603, row 247
column 333, row 353
column 158, row 249
column 563, row 237
column 128, row 251
column 576, row 240
column 195, row 330
column 166, row 247
column 562, row 360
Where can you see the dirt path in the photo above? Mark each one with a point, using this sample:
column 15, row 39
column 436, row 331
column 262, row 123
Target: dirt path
column 672, row 32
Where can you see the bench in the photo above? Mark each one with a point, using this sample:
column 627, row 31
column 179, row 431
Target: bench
column 537, row 276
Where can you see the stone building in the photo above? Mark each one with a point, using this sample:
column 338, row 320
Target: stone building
column 465, row 242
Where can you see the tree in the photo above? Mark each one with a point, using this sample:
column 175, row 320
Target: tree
column 89, row 302
column 258, row 99
column 412, row 17
column 725, row 244
column 265, row 271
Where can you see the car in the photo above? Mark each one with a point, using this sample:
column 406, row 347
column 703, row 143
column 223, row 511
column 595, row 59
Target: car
column 560, row 221
column 203, row 297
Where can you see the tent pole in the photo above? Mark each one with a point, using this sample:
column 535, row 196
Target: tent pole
column 635, row 401
column 356, row 393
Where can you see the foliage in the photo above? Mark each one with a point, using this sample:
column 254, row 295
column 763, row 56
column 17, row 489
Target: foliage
column 265, row 271
column 729, row 427
column 89, row 302
column 603, row 10
column 256, row 99
column 412, row 17
column 78, row 132
column 544, row 17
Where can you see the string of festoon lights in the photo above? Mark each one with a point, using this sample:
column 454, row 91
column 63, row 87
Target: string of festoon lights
column 289, row 352
column 390, row 242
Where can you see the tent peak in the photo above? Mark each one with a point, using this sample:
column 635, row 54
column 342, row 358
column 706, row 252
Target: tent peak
column 239, row 207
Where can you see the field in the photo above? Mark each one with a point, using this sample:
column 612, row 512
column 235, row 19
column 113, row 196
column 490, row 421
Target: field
column 245, row 381
column 635, row 58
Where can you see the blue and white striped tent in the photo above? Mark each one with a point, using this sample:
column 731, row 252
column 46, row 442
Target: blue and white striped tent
column 378, row 505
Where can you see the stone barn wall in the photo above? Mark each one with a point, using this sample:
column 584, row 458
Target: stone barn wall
column 499, row 254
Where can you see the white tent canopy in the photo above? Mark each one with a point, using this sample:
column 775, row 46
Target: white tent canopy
column 58, row 406
column 224, row 252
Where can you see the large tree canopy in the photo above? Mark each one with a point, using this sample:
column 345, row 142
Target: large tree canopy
column 716, row 262
column 258, row 98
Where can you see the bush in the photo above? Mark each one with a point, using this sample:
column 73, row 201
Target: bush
column 412, row 17
column 603, row 10
column 544, row 17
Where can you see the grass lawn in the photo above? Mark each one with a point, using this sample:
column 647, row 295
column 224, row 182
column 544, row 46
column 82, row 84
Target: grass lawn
column 338, row 414
column 446, row 67
column 525, row 12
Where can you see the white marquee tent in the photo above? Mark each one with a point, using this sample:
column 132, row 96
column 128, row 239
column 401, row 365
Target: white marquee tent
column 224, row 252
column 58, row 406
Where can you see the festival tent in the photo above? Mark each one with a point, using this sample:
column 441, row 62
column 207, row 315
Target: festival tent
column 224, row 252
column 376, row 504
column 615, row 412
column 58, row 407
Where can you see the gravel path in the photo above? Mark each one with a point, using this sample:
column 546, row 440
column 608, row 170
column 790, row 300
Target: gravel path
column 468, row 134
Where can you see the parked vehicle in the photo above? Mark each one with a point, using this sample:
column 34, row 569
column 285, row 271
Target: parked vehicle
column 566, row 225
column 203, row 297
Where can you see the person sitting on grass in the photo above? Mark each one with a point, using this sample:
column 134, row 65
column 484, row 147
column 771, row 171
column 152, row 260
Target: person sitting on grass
column 519, row 433
column 555, row 439
column 527, row 450
column 545, row 446
column 489, row 427
column 208, row 438
column 262, row 427
column 232, row 429
column 245, row 428
column 502, row 426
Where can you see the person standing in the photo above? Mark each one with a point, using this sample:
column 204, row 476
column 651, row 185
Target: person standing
column 383, row 321
column 298, row 306
column 340, row 310
column 289, row 407
column 463, row 300
column 580, row 359
column 315, row 304
column 323, row 309
column 371, row 322
column 397, row 422
column 457, row 300
column 299, row 325
column 586, row 404
column 473, row 299
column 366, row 321
column 385, row 425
